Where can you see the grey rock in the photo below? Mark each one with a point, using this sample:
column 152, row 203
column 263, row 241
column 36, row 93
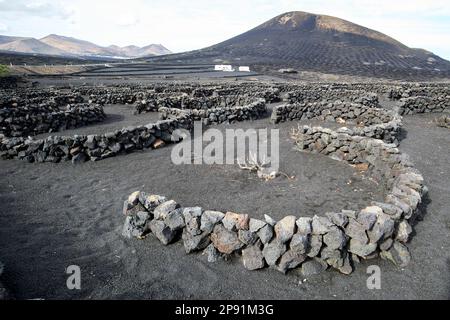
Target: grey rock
column 273, row 251
column 383, row 229
column 255, row 225
column 136, row 225
column 335, row 238
column 386, row 244
column 266, row 233
column 79, row 158
column 162, row 232
column 347, row 267
column 299, row 243
column 270, row 220
column 404, row 207
column 368, row 216
column 289, row 260
column 209, row 219
column 389, row 209
column 247, row 237
column 164, row 209
column 349, row 213
column 150, row 202
column 321, row 225
column 356, row 230
column 313, row 267
column 174, row 220
column 192, row 212
column 193, row 242
column 404, row 230
column 192, row 217
column 332, row 257
column 253, row 258
column 362, row 249
column 211, row 253
column 133, row 199
column 304, row 225
column 398, row 254
column 316, row 243
column 224, row 240
column 285, row 229
column 338, row 218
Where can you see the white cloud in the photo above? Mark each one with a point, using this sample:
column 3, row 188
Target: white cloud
column 3, row 27
column 35, row 7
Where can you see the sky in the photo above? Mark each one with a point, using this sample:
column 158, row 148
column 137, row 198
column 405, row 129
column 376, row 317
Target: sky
column 187, row 25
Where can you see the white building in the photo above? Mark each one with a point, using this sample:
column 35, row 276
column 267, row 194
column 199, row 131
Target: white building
column 244, row 69
column 224, row 67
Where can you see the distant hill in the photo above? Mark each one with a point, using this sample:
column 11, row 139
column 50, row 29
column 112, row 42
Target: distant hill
column 321, row 43
column 134, row 51
column 75, row 47
column 66, row 46
column 31, row 45
column 6, row 39
column 155, row 49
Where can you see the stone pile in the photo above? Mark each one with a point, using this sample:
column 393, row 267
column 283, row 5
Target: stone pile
column 423, row 104
column 370, row 122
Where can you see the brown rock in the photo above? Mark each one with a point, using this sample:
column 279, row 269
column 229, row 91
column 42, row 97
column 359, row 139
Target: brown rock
column 224, row 240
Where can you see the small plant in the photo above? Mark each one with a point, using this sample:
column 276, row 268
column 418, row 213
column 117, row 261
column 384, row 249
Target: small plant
column 261, row 168
column 443, row 121
column 4, row 71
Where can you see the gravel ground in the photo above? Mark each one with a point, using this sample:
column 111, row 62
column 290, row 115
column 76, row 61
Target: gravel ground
column 56, row 215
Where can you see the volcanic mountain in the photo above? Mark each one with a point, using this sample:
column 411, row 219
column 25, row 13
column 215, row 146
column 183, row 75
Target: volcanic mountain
column 320, row 43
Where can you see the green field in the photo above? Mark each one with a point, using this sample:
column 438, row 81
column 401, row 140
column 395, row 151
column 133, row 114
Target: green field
column 4, row 71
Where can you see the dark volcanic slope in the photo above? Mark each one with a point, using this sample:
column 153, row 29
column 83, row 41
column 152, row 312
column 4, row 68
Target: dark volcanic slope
column 325, row 44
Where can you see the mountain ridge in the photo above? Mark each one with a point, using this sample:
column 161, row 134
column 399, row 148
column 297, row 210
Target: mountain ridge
column 319, row 43
column 58, row 45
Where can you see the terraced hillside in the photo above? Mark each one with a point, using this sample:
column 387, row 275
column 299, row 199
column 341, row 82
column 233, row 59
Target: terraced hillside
column 322, row 43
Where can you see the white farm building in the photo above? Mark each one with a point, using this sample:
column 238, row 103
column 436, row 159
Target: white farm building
column 244, row 69
column 224, row 67
column 230, row 68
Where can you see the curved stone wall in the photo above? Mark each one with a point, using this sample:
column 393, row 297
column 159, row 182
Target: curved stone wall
column 370, row 122
column 336, row 239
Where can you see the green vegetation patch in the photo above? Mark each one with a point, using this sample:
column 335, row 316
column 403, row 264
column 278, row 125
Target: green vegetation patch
column 4, row 71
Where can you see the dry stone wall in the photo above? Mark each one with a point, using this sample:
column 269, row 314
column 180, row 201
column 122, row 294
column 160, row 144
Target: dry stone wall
column 335, row 240
column 36, row 119
column 97, row 147
column 325, row 94
column 370, row 122
column 423, row 104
